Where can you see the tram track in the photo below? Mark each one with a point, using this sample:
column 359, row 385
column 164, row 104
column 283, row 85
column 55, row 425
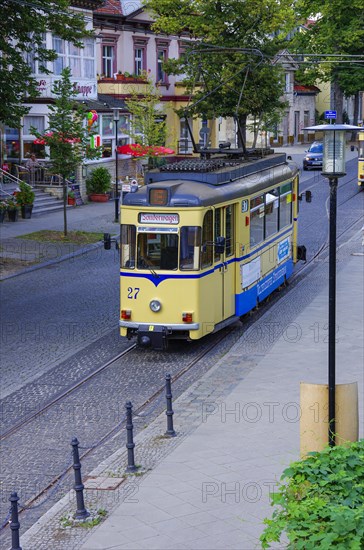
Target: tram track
column 117, row 427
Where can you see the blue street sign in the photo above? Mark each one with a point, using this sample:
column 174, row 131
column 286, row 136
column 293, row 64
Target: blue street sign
column 330, row 114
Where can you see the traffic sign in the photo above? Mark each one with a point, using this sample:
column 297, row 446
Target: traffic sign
column 330, row 114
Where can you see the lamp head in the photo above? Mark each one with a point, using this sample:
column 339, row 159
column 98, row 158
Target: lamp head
column 333, row 159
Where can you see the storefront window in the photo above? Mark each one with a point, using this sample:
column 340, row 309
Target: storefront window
column 12, row 143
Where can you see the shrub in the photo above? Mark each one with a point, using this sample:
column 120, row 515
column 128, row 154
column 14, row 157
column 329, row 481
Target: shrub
column 99, row 181
column 321, row 503
column 25, row 195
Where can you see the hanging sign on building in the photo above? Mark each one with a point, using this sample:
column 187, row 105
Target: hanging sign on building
column 95, row 141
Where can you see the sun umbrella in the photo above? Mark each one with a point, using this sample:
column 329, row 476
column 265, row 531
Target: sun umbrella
column 137, row 150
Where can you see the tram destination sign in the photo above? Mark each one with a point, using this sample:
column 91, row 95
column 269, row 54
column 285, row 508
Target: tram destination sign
column 330, row 114
column 146, row 217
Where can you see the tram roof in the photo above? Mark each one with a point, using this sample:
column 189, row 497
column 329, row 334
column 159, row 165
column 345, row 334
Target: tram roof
column 191, row 189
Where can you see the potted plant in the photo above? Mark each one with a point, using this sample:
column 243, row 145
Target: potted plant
column 98, row 184
column 3, row 210
column 25, row 199
column 71, row 199
column 12, row 209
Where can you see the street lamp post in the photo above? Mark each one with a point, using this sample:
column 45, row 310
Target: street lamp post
column 116, row 120
column 333, row 167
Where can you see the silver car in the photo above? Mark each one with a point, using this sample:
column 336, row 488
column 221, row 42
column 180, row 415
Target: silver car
column 313, row 157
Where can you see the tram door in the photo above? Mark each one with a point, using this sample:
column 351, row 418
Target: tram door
column 224, row 227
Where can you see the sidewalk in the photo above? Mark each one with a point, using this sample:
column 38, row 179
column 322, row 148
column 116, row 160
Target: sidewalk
column 91, row 217
column 237, row 430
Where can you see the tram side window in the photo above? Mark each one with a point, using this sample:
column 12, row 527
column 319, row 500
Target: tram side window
column 127, row 246
column 271, row 212
column 218, row 231
column 207, row 239
column 229, row 249
column 285, row 205
column 190, row 245
column 256, row 220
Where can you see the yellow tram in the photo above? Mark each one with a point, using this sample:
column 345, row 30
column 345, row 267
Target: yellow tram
column 202, row 243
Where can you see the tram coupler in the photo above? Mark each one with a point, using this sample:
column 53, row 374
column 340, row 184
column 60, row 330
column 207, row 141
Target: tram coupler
column 154, row 337
column 108, row 239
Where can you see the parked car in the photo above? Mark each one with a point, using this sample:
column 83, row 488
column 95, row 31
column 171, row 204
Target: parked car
column 313, row 157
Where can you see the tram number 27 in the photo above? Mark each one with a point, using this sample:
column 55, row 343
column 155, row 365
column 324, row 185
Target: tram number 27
column 133, row 293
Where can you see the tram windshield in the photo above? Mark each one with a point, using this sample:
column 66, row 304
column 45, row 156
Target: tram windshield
column 155, row 250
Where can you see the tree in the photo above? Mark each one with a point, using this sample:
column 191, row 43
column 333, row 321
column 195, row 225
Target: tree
column 335, row 28
column 148, row 126
column 23, row 25
column 231, row 59
column 67, row 137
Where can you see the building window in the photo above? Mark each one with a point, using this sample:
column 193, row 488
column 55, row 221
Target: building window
column 162, row 56
column 30, row 57
column 89, row 58
column 138, row 61
column 29, row 147
column 108, row 54
column 12, row 143
column 107, row 125
column 59, row 46
column 108, row 61
column 161, row 75
column 81, row 61
column 33, row 121
column 287, row 87
column 75, row 60
column 140, row 54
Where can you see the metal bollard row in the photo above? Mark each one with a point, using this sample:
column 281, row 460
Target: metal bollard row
column 81, row 511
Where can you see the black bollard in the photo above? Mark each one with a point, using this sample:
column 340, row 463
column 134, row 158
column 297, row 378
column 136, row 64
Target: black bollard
column 14, row 524
column 129, row 434
column 81, row 512
column 169, row 412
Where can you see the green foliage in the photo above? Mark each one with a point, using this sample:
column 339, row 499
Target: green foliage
column 23, row 25
column 26, row 194
column 147, row 126
column 12, row 204
column 243, row 82
column 99, row 181
column 3, row 205
column 339, row 29
column 321, row 505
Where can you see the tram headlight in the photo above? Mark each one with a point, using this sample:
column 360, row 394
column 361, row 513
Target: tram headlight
column 155, row 306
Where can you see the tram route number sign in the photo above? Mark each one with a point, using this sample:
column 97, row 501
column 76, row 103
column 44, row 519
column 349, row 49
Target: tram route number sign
column 330, row 114
column 76, row 189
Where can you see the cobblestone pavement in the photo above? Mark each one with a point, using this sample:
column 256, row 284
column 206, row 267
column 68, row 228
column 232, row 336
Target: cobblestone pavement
column 151, row 445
